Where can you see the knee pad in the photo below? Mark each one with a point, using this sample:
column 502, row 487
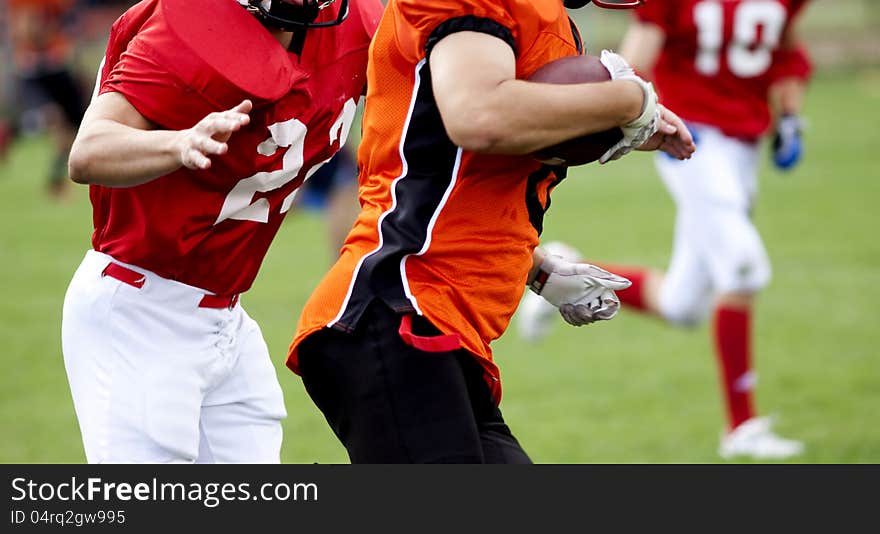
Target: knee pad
column 685, row 305
column 747, row 272
column 685, row 314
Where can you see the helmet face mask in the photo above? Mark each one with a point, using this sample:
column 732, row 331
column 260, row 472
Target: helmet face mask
column 284, row 16
column 607, row 4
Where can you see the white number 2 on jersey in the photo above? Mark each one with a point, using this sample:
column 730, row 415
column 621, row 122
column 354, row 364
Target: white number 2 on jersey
column 290, row 135
column 747, row 55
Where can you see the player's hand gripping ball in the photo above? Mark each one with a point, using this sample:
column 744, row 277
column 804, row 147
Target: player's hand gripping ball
column 587, row 148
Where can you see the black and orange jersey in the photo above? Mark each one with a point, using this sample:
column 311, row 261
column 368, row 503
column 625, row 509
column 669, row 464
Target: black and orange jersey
column 444, row 233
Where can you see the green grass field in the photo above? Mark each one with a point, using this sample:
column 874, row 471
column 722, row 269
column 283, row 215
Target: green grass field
column 628, row 391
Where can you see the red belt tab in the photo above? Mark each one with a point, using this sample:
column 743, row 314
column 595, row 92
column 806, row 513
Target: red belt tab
column 136, row 279
column 441, row 343
column 124, row 275
column 218, row 301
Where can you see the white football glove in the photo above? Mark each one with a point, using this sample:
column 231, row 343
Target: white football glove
column 583, row 293
column 640, row 129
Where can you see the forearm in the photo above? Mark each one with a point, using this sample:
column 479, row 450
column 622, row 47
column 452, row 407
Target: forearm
column 641, row 47
column 790, row 73
column 112, row 154
column 787, row 96
column 486, row 109
column 520, row 117
column 537, row 260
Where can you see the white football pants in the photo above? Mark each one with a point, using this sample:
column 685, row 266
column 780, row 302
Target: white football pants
column 716, row 247
column 157, row 379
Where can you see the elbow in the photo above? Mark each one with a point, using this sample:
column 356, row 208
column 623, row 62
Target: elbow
column 78, row 167
column 479, row 131
column 473, row 140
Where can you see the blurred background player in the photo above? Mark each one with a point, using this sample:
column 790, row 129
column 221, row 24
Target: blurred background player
column 731, row 69
column 7, row 81
column 48, row 96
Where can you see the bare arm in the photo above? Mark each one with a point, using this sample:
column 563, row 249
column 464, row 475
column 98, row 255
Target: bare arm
column 641, row 46
column 117, row 146
column 537, row 259
column 486, row 109
column 787, row 94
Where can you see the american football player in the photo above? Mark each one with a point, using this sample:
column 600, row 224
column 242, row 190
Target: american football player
column 42, row 36
column 207, row 117
column 394, row 344
column 736, row 72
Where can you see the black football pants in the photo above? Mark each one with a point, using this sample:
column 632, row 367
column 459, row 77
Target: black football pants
column 388, row 402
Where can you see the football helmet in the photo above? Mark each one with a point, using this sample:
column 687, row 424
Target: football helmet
column 608, row 4
column 288, row 17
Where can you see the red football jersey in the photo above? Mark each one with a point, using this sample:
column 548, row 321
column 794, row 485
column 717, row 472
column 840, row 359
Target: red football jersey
column 178, row 60
column 719, row 59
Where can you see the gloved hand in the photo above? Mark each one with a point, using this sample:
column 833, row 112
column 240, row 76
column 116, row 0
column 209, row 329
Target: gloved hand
column 787, row 145
column 583, row 293
column 637, row 131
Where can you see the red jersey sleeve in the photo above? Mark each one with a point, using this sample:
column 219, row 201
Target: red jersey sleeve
column 153, row 91
column 369, row 12
column 794, row 62
column 657, row 12
column 796, row 7
column 175, row 69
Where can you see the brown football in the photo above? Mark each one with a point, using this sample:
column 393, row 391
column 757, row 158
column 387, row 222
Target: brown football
column 587, row 148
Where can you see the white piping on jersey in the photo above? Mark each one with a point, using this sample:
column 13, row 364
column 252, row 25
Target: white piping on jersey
column 98, row 80
column 404, row 172
column 430, row 231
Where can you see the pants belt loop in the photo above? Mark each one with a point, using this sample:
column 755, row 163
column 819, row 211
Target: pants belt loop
column 136, row 279
column 441, row 343
column 219, row 301
column 124, row 275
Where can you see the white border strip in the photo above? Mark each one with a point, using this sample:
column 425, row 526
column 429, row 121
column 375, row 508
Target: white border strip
column 430, row 231
column 405, row 170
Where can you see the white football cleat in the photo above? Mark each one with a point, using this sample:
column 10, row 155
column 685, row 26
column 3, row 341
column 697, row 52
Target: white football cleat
column 754, row 438
column 536, row 316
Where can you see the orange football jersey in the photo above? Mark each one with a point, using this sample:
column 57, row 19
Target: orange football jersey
column 443, row 233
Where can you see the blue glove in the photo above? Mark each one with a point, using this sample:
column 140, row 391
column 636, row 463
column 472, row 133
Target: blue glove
column 787, row 145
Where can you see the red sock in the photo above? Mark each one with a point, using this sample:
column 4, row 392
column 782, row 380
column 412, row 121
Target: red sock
column 733, row 349
column 633, row 296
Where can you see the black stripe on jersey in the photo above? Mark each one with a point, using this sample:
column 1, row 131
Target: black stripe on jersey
column 470, row 23
column 533, row 201
column 576, row 33
column 429, row 159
